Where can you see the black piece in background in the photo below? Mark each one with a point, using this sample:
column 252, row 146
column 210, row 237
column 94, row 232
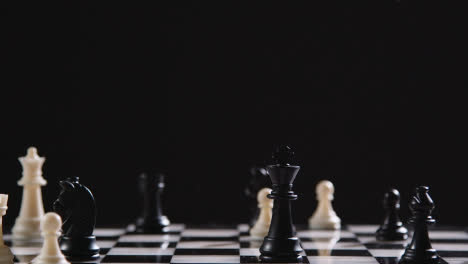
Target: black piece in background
column 366, row 93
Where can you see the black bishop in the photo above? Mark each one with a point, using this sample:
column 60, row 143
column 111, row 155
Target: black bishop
column 420, row 251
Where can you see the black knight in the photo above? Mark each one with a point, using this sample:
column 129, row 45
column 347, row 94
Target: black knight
column 77, row 208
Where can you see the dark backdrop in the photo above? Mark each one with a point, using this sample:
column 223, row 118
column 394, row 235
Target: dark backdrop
column 367, row 94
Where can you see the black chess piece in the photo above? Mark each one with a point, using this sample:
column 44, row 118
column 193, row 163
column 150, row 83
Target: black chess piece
column 420, row 251
column 281, row 243
column 258, row 180
column 152, row 220
column 76, row 206
column 392, row 228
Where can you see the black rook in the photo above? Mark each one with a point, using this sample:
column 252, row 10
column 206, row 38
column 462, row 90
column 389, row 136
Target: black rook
column 281, row 243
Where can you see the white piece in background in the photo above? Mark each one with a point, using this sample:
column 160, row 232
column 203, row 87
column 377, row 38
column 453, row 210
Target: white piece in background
column 6, row 257
column 27, row 225
column 324, row 216
column 51, row 224
column 262, row 226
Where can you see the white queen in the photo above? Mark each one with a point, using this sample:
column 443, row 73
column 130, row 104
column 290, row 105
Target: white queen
column 27, row 226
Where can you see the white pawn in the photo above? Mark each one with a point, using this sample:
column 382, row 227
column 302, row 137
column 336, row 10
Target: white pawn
column 324, row 216
column 262, row 226
column 26, row 229
column 6, row 257
column 50, row 252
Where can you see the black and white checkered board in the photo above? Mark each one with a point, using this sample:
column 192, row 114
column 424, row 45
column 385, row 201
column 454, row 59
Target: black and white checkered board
column 354, row 244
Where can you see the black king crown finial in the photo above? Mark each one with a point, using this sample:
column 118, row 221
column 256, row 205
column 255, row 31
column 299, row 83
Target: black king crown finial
column 283, row 155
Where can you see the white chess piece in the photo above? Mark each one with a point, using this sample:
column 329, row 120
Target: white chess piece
column 6, row 257
column 262, row 226
column 50, row 251
column 324, row 216
column 27, row 225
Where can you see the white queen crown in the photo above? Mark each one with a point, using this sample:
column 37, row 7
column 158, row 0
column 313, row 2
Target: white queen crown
column 32, row 168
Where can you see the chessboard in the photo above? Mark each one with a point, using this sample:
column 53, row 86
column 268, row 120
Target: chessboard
column 354, row 244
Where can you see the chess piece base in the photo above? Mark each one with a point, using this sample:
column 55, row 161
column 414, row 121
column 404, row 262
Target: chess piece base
column 25, row 258
column 259, row 231
column 6, row 256
column 285, row 259
column 392, row 234
column 333, row 223
column 79, row 248
column 410, row 257
column 27, row 231
column 50, row 260
column 281, row 250
column 157, row 226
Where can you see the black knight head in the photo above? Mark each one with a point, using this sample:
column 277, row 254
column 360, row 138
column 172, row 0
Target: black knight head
column 75, row 204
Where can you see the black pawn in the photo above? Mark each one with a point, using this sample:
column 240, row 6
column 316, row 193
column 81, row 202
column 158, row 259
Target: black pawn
column 258, row 180
column 392, row 228
column 152, row 219
column 281, row 243
column 76, row 206
column 420, row 250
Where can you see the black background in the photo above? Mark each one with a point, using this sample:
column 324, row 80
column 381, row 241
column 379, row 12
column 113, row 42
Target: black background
column 368, row 94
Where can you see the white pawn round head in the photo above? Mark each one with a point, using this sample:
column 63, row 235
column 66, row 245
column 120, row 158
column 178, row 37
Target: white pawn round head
column 263, row 200
column 325, row 190
column 32, row 153
column 51, row 223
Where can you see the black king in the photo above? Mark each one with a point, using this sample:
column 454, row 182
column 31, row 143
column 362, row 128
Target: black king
column 281, row 243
